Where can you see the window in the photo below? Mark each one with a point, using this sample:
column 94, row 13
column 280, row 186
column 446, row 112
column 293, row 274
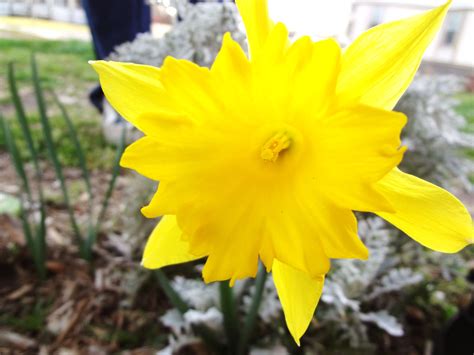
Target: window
column 452, row 28
column 376, row 16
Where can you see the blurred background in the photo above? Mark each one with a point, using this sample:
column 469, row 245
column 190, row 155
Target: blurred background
column 71, row 234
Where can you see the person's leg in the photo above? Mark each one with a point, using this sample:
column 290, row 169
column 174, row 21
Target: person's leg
column 112, row 23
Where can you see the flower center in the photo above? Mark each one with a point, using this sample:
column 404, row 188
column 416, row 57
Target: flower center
column 276, row 144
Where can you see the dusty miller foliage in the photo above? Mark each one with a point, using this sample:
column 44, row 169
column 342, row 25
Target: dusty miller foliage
column 434, row 133
column 197, row 37
column 357, row 293
column 353, row 286
column 350, row 287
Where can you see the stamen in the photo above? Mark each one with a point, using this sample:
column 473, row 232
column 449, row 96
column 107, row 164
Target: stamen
column 279, row 142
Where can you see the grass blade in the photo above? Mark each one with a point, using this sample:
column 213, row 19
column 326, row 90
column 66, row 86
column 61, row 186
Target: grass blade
column 15, row 155
column 41, row 230
column 92, row 235
column 76, row 143
column 36, row 245
column 87, row 244
column 36, row 249
column 52, row 151
column 40, row 240
column 22, row 118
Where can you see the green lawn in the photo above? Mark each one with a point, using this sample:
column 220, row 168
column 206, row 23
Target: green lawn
column 60, row 61
column 63, row 68
column 466, row 108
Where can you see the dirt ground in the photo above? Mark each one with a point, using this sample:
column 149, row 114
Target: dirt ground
column 80, row 305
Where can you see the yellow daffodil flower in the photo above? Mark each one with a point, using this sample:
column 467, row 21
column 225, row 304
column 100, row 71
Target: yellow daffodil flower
column 266, row 157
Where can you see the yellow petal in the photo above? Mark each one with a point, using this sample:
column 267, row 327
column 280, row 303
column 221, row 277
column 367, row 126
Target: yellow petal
column 164, row 201
column 150, row 158
column 190, row 88
column 132, row 89
column 290, row 234
column 231, row 74
column 162, row 125
column 269, row 80
column 427, row 213
column 228, row 234
column 139, row 156
column 170, row 157
column 380, row 64
column 233, row 258
column 299, row 295
column 231, row 63
column 232, row 238
column 337, row 228
column 257, row 22
column 319, row 60
column 353, row 149
column 269, row 88
column 166, row 246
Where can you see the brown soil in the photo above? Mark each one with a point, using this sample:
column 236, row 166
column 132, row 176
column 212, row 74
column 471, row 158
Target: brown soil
column 80, row 307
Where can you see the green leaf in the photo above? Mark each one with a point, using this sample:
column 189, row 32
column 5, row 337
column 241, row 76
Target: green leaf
column 32, row 244
column 40, row 239
column 36, row 244
column 21, row 116
column 51, row 148
column 15, row 155
column 77, row 144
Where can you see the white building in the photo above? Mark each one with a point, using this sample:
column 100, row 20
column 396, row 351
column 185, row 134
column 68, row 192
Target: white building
column 58, row 10
column 316, row 18
column 453, row 47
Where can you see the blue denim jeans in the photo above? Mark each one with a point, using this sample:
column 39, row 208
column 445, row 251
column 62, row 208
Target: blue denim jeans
column 113, row 22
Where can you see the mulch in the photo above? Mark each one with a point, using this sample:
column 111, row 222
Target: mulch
column 81, row 307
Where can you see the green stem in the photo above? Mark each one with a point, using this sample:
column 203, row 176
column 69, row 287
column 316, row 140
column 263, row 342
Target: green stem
column 172, row 295
column 251, row 317
column 229, row 311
